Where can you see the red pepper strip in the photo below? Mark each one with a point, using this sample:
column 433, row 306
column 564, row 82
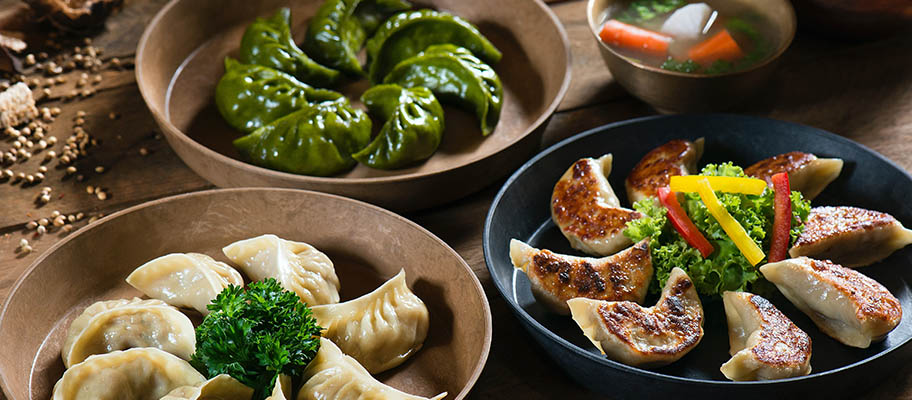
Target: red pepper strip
column 682, row 223
column 782, row 222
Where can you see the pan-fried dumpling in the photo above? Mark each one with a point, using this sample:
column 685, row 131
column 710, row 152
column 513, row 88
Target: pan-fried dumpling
column 189, row 280
column 644, row 337
column 222, row 387
column 588, row 213
column 380, row 329
column 135, row 374
column 112, row 325
column 765, row 344
column 844, row 303
column 282, row 388
column 332, row 375
column 298, row 267
column 556, row 278
column 677, row 157
column 850, row 236
column 807, row 173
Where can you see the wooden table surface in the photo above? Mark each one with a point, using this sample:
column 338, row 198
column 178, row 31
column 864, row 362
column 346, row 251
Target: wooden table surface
column 860, row 90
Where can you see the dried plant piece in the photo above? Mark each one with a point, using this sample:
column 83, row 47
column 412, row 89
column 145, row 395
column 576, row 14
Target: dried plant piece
column 75, row 15
column 17, row 106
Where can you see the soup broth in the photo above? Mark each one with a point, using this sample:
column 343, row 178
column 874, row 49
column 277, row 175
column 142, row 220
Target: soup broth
column 703, row 37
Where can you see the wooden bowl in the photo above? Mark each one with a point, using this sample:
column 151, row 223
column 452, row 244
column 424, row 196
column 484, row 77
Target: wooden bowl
column 179, row 62
column 670, row 91
column 367, row 245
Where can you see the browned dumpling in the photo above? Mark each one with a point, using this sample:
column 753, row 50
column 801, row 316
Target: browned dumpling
column 557, row 278
column 807, row 173
column 588, row 213
column 644, row 337
column 844, row 303
column 677, row 157
column 850, row 236
column 765, row 344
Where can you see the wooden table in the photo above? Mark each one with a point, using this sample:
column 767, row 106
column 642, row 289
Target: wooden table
column 862, row 91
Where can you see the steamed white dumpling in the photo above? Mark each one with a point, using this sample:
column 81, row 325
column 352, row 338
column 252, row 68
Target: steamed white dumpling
column 112, row 325
column 687, row 22
column 282, row 388
column 380, row 329
column 332, row 375
column 222, row 387
column 188, row 280
column 134, row 374
column 298, row 267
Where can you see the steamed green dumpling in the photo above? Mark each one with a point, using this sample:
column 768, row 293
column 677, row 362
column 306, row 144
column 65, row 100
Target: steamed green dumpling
column 413, row 128
column 406, row 34
column 268, row 42
column 317, row 140
column 455, row 76
column 249, row 96
column 335, row 35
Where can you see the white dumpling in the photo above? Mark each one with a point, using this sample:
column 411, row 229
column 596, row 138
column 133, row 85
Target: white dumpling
column 222, row 387
column 282, row 388
column 765, row 344
column 380, row 329
column 332, row 375
column 644, row 337
column 298, row 267
column 588, row 213
column 111, row 325
column 188, row 280
column 850, row 236
column 134, row 374
column 655, row 169
column 844, row 303
column 807, row 173
column 556, row 278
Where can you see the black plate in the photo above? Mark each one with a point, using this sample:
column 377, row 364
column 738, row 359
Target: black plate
column 521, row 210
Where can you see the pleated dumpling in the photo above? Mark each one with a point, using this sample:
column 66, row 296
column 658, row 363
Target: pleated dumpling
column 655, row 169
column 585, row 208
column 282, row 388
column 380, row 329
column 645, row 337
column 221, row 387
column 850, row 236
column 765, row 344
column 298, row 267
column 134, row 374
column 189, row 280
column 332, row 375
column 807, row 173
column 844, row 303
column 456, row 77
column 112, row 325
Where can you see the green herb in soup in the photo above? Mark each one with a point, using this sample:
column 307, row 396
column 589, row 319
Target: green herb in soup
column 711, row 37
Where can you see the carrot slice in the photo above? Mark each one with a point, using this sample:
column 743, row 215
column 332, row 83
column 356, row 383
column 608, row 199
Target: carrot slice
column 617, row 33
column 720, row 46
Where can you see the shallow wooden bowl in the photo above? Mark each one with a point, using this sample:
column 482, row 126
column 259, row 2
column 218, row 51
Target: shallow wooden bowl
column 367, row 245
column 179, row 63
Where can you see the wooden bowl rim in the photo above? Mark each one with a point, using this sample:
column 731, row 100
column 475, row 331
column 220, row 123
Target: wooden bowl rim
column 173, row 132
column 470, row 382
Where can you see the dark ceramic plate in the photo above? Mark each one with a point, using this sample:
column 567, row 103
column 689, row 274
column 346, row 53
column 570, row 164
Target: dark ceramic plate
column 521, row 210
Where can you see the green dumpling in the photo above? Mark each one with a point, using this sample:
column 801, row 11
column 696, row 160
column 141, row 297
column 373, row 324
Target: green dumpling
column 249, row 96
column 412, row 131
column 406, row 34
column 340, row 27
column 268, row 42
column 455, row 76
column 317, row 140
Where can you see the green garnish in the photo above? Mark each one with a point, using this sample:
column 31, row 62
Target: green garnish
column 256, row 334
column 680, row 66
column 644, row 10
column 726, row 268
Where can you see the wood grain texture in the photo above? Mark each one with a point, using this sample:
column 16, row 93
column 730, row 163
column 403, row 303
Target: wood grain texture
column 861, row 90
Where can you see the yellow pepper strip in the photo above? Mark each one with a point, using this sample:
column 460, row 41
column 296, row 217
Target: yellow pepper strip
column 731, row 226
column 727, row 184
